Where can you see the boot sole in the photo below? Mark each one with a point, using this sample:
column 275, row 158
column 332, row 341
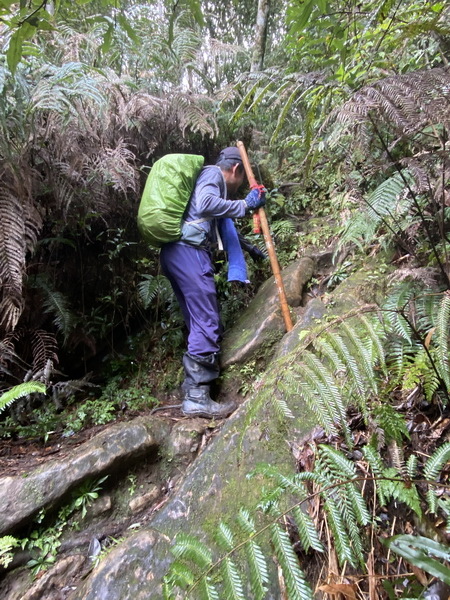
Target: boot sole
column 206, row 415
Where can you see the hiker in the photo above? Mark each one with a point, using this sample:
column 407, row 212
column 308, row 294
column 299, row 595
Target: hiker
column 208, row 221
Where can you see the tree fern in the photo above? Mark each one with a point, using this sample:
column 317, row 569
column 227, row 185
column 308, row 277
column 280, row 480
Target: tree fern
column 20, row 391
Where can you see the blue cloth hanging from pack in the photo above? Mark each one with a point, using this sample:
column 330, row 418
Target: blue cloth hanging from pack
column 237, row 267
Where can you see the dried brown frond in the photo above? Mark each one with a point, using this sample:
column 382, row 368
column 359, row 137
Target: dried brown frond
column 116, row 168
column 429, row 276
column 407, row 102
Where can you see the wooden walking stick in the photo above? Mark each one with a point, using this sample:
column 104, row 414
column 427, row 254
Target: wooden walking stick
column 268, row 239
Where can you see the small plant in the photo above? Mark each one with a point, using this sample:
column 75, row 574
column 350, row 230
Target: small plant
column 7, row 543
column 86, row 494
column 132, row 479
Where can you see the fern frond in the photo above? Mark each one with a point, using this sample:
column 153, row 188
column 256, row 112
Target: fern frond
column 57, row 305
column 181, row 575
column 377, row 467
column 207, row 589
column 292, row 483
column 411, row 466
column 233, row 587
column 391, row 421
column 398, row 302
column 151, row 287
column 7, row 543
column 307, row 531
column 312, row 395
column 20, row 391
column 373, row 330
column 442, row 331
column 364, row 356
column 432, row 471
column 279, row 403
column 331, row 393
column 297, row 587
column 401, row 490
column 259, row 574
column 188, row 547
column 383, row 201
column 340, row 466
column 350, row 362
column 341, row 538
column 224, row 537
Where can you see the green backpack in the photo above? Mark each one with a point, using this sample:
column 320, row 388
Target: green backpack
column 167, row 192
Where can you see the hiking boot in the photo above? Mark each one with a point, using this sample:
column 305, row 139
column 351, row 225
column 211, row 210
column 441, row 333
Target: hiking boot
column 198, row 403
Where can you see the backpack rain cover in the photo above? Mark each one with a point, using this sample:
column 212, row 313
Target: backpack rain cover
column 167, row 191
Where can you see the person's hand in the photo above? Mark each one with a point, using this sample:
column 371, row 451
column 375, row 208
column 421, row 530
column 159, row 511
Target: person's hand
column 257, row 254
column 255, row 199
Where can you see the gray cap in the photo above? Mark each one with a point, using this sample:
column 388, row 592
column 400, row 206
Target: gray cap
column 230, row 153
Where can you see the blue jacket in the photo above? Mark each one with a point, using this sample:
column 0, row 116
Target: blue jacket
column 209, row 201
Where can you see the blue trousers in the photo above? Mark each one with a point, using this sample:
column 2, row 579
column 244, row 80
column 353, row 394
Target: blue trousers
column 191, row 274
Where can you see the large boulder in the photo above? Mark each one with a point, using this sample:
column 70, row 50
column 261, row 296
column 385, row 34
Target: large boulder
column 22, row 496
column 216, row 485
column 261, row 325
column 214, row 488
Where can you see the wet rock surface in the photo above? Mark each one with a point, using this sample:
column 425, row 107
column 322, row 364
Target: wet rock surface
column 21, row 497
column 262, row 324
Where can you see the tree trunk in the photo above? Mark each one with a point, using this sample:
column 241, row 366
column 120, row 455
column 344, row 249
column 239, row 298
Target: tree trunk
column 260, row 36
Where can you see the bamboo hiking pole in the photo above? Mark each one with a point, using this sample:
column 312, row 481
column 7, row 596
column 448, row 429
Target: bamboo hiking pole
column 268, row 239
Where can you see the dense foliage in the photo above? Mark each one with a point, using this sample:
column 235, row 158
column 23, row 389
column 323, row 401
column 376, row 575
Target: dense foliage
column 345, row 109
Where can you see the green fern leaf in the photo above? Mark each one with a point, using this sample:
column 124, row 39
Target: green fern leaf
column 437, row 460
column 339, row 465
column 364, row 356
column 350, row 362
column 392, row 422
column 151, row 287
column 7, row 543
column 358, row 504
column 297, row 587
column 377, row 467
column 20, row 391
column 331, row 394
column 442, row 329
column 402, row 491
column 306, row 531
column 259, row 574
column 224, row 537
column 312, row 395
column 384, row 200
column 411, row 466
column 395, row 305
column 207, row 590
column 432, row 471
column 181, row 575
column 245, row 522
column 233, row 587
column 375, row 334
column 280, row 405
column 188, row 547
column 341, row 539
